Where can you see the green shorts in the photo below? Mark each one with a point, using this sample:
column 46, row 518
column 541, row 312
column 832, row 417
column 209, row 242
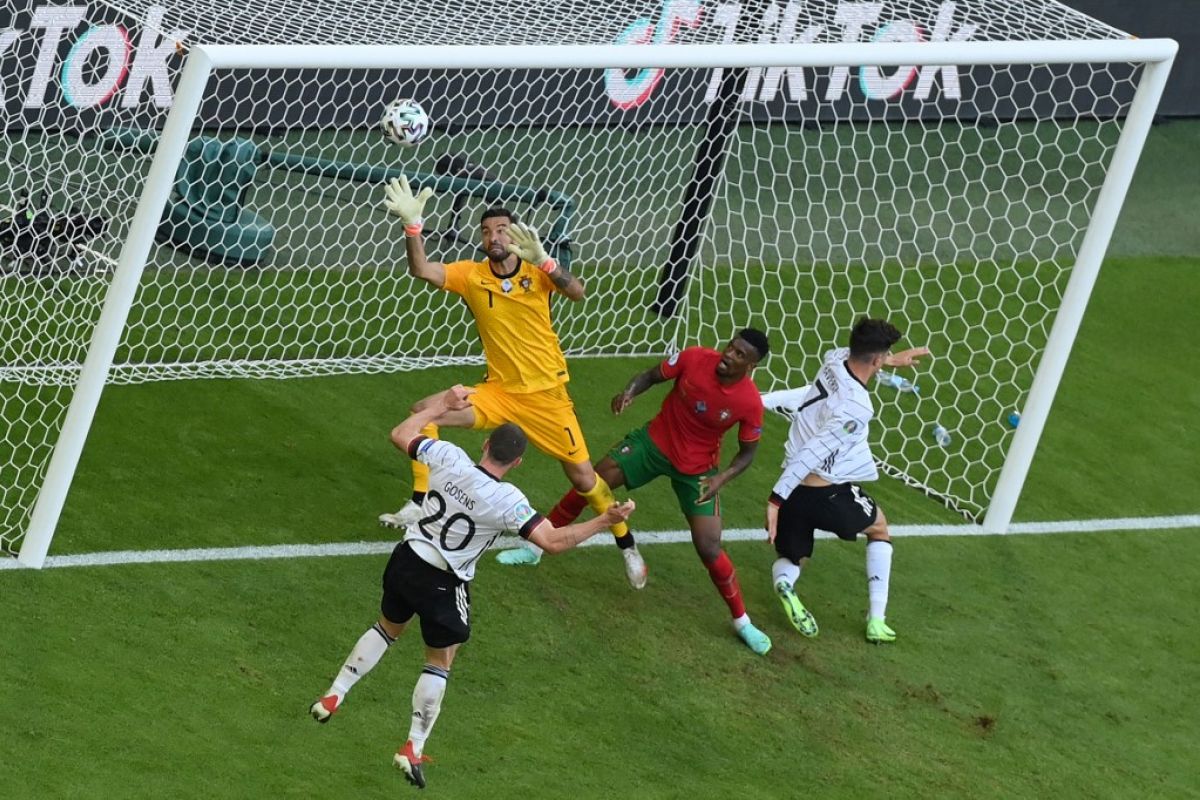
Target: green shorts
column 640, row 459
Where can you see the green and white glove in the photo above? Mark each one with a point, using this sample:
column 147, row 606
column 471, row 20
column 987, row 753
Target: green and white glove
column 408, row 207
column 527, row 245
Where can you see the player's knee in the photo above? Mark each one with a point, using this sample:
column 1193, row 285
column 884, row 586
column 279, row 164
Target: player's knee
column 581, row 476
column 878, row 532
column 708, row 551
column 392, row 629
column 611, row 472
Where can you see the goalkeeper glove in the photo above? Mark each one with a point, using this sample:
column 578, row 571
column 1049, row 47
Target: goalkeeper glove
column 526, row 245
column 401, row 202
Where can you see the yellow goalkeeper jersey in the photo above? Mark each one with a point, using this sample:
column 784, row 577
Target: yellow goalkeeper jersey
column 512, row 315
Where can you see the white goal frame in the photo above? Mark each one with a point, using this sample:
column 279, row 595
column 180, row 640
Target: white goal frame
column 1157, row 56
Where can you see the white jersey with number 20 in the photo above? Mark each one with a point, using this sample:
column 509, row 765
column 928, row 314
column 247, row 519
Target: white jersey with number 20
column 465, row 510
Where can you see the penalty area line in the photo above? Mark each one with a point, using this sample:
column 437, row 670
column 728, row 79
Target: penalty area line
column 259, row 553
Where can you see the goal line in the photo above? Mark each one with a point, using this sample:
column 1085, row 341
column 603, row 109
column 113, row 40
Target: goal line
column 116, row 557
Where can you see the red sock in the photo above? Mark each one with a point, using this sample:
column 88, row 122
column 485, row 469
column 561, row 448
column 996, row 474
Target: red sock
column 724, row 577
column 568, row 509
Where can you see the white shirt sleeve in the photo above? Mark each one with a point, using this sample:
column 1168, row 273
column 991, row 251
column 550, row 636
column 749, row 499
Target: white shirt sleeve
column 841, row 430
column 786, row 401
column 437, row 453
column 518, row 516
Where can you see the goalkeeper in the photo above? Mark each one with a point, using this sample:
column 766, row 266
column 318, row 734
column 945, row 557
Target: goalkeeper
column 509, row 293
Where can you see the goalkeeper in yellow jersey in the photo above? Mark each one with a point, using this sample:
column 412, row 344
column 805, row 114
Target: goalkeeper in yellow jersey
column 509, row 295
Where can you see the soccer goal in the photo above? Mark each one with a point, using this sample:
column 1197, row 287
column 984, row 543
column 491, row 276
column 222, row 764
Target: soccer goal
column 206, row 204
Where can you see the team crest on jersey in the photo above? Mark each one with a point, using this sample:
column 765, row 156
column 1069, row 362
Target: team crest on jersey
column 850, row 427
column 626, row 449
column 724, row 415
column 506, row 286
column 701, row 406
column 527, row 284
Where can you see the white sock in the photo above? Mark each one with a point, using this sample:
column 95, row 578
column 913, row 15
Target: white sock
column 879, row 570
column 427, row 703
column 741, row 622
column 366, row 654
column 784, row 570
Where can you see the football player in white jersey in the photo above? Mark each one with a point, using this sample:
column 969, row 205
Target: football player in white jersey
column 826, row 456
column 467, row 508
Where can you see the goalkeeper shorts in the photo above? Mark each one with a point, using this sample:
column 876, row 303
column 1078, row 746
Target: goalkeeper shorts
column 547, row 417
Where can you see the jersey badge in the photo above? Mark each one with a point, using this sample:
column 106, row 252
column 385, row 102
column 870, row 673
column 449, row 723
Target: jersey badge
column 850, row 427
column 527, row 284
column 701, row 406
column 724, row 415
column 506, row 286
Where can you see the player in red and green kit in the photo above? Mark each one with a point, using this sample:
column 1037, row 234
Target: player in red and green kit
column 713, row 391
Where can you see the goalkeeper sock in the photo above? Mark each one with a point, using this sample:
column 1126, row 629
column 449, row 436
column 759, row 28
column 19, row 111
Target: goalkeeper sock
column 879, row 572
column 366, row 654
column 600, row 497
column 427, row 704
column 724, row 577
column 568, row 509
column 420, row 471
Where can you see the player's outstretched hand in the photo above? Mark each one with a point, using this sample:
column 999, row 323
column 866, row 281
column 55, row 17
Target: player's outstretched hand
column 457, row 397
column 621, row 402
column 772, row 521
column 907, row 358
column 618, row 512
column 401, row 201
column 709, row 486
column 525, row 243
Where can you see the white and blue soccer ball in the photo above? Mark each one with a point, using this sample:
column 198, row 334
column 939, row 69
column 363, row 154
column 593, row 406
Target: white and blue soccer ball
column 406, row 123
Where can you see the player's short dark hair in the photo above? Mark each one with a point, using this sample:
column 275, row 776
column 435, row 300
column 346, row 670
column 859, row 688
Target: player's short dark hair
column 498, row 211
column 756, row 339
column 507, row 443
column 870, row 337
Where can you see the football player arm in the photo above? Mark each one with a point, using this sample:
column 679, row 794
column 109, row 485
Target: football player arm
column 906, row 358
column 566, row 282
column 557, row 540
column 744, row 458
column 406, row 433
column 526, row 244
column 419, row 266
column 400, row 201
column 637, row 384
column 785, row 401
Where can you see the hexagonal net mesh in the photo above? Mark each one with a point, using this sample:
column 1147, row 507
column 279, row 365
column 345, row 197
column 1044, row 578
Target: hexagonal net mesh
column 952, row 200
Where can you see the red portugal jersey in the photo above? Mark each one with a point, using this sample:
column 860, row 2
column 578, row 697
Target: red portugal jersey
column 697, row 412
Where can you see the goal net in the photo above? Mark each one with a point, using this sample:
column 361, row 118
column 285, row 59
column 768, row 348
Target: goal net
column 693, row 190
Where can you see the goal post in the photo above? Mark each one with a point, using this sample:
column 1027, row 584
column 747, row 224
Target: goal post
column 729, row 260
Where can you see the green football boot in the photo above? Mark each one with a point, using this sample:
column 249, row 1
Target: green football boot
column 878, row 632
column 802, row 620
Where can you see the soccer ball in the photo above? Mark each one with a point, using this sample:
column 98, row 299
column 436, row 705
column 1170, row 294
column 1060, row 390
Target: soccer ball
column 405, row 122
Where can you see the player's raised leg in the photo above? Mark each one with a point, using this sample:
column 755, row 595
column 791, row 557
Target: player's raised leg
column 367, row 652
column 410, row 512
column 793, row 540
column 426, row 704
column 706, row 537
column 879, row 573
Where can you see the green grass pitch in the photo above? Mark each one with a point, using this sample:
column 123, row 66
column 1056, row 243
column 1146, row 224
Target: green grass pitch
column 1027, row 666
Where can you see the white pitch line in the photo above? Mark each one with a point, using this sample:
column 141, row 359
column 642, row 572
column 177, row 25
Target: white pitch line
column 644, row 537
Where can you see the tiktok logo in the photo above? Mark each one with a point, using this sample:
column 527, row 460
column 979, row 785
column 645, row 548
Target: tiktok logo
column 792, row 22
column 101, row 61
column 626, row 92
